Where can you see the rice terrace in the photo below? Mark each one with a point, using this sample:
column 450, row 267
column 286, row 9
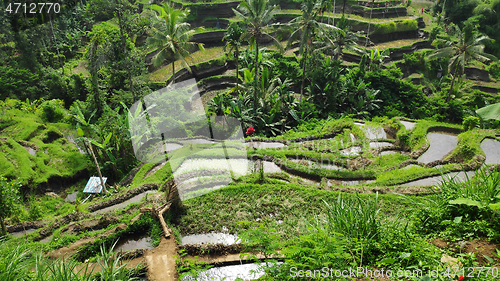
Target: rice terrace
column 249, row 140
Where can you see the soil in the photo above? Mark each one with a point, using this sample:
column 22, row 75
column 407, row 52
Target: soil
column 480, row 247
column 94, row 224
column 440, row 243
column 213, row 249
column 73, row 248
column 122, row 198
column 161, row 261
column 229, row 259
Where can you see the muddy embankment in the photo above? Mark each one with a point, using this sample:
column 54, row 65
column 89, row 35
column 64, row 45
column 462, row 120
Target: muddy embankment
column 122, row 198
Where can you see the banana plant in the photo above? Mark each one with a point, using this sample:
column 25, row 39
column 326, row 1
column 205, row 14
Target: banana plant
column 31, row 106
column 376, row 57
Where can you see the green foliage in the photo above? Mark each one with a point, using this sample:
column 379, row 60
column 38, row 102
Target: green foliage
column 466, row 209
column 356, row 220
column 399, row 98
column 146, row 224
column 403, row 137
column 19, row 262
column 9, row 196
column 285, row 67
column 471, row 122
column 18, row 83
column 14, row 261
column 402, row 247
column 53, row 111
column 395, row 26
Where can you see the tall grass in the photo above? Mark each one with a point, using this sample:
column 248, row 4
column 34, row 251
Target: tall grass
column 19, row 263
column 484, row 187
column 14, row 261
column 354, row 218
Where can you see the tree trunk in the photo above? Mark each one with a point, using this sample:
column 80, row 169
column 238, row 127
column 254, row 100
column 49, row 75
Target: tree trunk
column 237, row 53
column 98, row 169
column 333, row 17
column 166, row 229
column 256, row 72
column 159, row 214
column 303, row 75
column 343, row 8
column 451, row 88
column 120, row 23
column 173, row 72
column 4, row 229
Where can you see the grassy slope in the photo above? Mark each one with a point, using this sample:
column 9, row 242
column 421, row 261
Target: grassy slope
column 55, row 155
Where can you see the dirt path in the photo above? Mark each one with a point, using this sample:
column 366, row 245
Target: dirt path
column 161, row 261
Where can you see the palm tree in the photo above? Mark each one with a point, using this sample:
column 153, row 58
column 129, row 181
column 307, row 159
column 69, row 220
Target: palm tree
column 470, row 45
column 306, row 26
column 256, row 14
column 337, row 41
column 171, row 36
column 234, row 41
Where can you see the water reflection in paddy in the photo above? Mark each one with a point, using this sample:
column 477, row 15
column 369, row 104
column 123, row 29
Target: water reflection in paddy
column 460, row 176
column 440, row 144
column 133, row 243
column 249, row 271
column 210, row 238
column 491, row 149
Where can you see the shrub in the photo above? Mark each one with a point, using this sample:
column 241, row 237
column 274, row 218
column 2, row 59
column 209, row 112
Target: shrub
column 471, row 122
column 467, row 209
column 495, row 70
column 53, row 111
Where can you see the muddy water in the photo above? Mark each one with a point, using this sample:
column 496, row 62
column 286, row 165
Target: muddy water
column 154, row 170
column 238, row 166
column 313, row 164
column 440, row 145
column 71, row 197
column 353, row 138
column 47, row 239
column 460, row 176
column 408, row 125
column 169, row 147
column 271, row 167
column 124, row 204
column 133, row 243
column 373, row 133
column 348, row 182
column 72, row 140
column 201, row 141
column 389, row 152
column 30, row 150
column 249, row 271
column 351, row 151
column 491, row 149
column 210, row 238
column 379, row 144
column 262, row 145
column 22, row 233
column 410, row 166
